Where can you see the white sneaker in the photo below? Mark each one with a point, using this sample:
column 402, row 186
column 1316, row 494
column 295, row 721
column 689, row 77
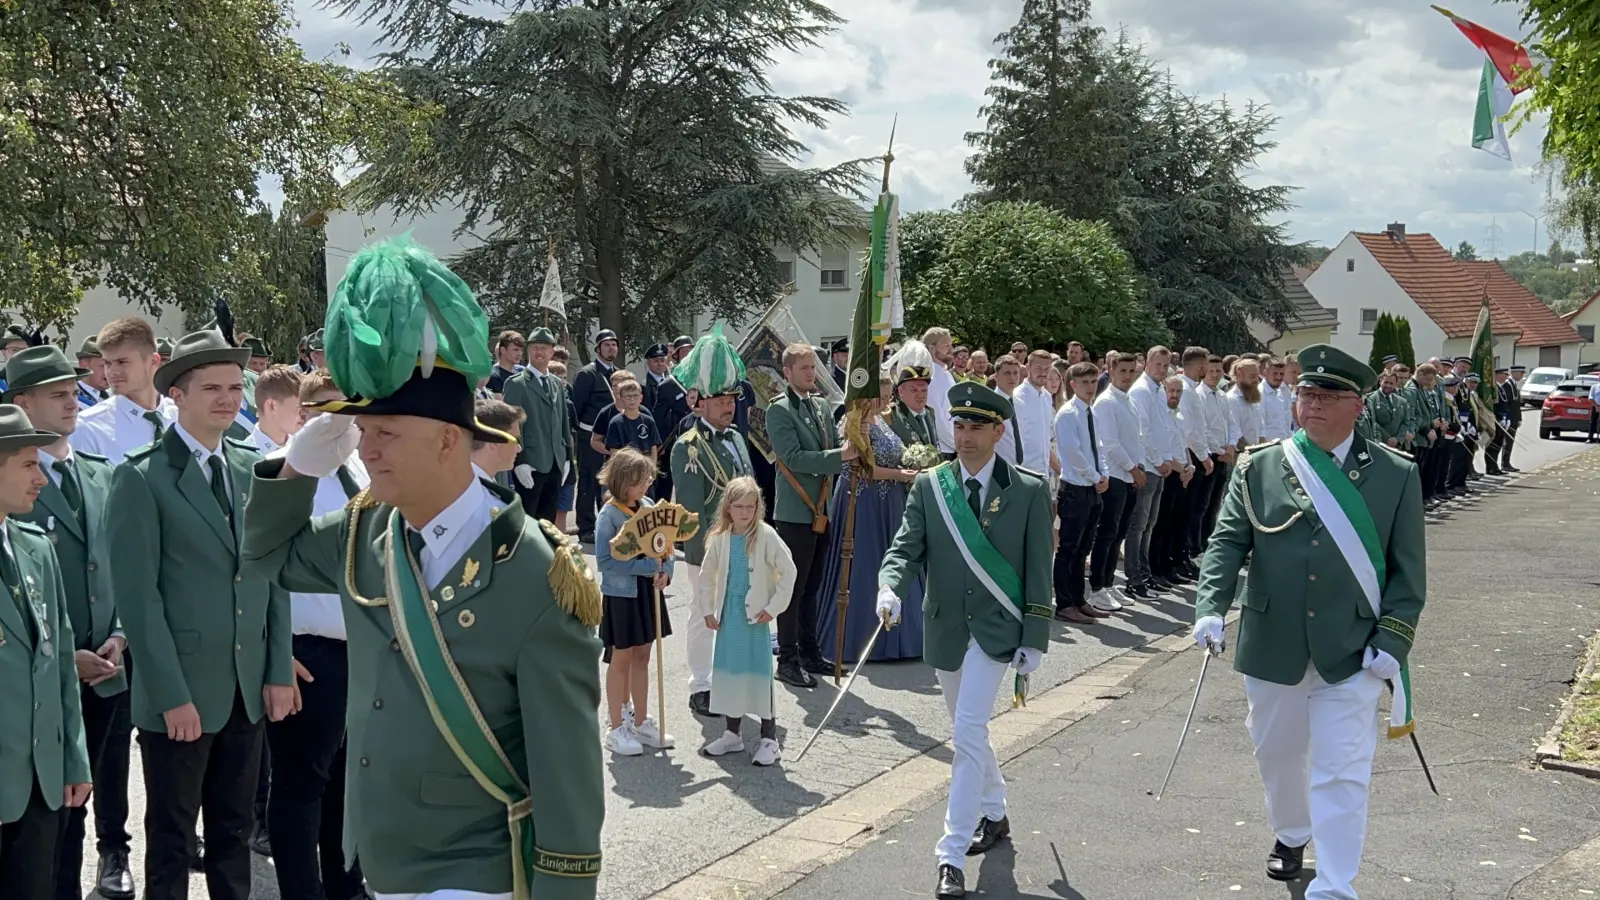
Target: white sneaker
column 627, row 710
column 649, row 734
column 1103, row 601
column 620, row 741
column 767, row 753
column 726, row 744
column 1120, row 596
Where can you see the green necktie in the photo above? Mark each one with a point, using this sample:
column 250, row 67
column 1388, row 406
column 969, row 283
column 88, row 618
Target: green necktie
column 219, row 486
column 975, row 497
column 13, row 583
column 69, row 486
column 154, row 418
column 417, row 542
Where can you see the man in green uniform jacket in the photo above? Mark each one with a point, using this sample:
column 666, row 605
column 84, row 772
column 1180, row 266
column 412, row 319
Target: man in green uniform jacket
column 213, row 644
column 1428, row 418
column 1332, row 527
column 471, row 625
column 1386, row 414
column 546, row 433
column 910, row 418
column 71, row 511
column 44, row 761
column 981, row 530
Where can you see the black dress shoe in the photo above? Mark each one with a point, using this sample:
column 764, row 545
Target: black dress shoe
column 197, row 855
column 1510, row 469
column 989, row 833
column 1138, row 590
column 790, row 673
column 952, row 884
column 1189, row 571
column 1283, row 863
column 260, row 844
column 700, row 703
column 113, row 881
column 816, row 665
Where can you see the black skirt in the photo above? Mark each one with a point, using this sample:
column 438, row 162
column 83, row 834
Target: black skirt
column 626, row 621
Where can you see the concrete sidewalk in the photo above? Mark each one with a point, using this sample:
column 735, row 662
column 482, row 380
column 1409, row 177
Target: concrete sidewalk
column 1509, row 606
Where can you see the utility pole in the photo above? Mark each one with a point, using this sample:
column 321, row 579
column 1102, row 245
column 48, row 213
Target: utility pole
column 1491, row 239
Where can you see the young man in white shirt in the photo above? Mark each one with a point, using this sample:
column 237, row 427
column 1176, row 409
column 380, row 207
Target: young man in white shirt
column 1083, row 482
column 1007, row 378
column 942, row 346
column 1244, row 402
column 1222, row 433
column 1158, row 433
column 136, row 414
column 1197, row 441
column 1172, row 516
column 1122, row 450
column 1276, row 420
column 1034, row 414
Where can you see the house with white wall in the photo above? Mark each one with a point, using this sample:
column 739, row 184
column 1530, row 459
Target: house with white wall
column 1546, row 338
column 102, row 303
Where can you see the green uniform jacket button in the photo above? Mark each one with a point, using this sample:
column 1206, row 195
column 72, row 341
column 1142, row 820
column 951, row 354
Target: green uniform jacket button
column 238, row 646
column 238, row 578
column 1313, row 578
column 1311, row 613
column 364, row 761
column 378, row 703
column 394, row 645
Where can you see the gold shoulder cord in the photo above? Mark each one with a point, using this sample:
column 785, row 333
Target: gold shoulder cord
column 1249, row 509
column 359, row 503
column 718, row 477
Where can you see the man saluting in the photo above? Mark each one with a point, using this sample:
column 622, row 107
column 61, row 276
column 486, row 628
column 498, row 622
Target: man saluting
column 1333, row 528
column 472, row 648
column 981, row 528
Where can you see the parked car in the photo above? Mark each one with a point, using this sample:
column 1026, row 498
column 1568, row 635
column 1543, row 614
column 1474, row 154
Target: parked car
column 1567, row 407
column 1540, row 382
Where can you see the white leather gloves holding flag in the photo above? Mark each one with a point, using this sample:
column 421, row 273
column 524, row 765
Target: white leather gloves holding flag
column 1208, row 630
column 1381, row 664
column 319, row 448
column 524, row 473
column 1026, row 660
column 888, row 605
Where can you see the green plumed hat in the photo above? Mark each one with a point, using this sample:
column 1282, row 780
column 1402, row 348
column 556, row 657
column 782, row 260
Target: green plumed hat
column 712, row 367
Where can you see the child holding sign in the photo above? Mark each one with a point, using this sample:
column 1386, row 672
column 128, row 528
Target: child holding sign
column 627, row 624
column 745, row 583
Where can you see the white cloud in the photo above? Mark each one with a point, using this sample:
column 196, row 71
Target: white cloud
column 1375, row 99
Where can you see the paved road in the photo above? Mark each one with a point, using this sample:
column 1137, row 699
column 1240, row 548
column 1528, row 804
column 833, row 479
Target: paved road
column 713, row 807
column 1508, row 611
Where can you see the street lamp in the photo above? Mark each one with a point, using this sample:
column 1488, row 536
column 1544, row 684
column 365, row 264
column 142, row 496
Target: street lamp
column 1536, row 220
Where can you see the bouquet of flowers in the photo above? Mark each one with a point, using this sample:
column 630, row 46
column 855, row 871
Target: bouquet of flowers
column 921, row 456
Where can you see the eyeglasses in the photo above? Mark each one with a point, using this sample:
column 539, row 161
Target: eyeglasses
column 1312, row 397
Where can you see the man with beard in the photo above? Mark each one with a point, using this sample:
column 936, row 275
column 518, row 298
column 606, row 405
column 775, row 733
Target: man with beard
column 938, row 342
column 591, row 393
column 668, row 404
column 1244, row 402
column 1276, row 420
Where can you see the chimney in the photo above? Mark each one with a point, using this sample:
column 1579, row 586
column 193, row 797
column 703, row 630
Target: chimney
column 1396, row 231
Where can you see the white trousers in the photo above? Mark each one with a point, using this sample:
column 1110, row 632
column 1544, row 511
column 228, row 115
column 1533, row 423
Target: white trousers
column 702, row 644
column 976, row 786
column 446, row 894
column 1314, row 745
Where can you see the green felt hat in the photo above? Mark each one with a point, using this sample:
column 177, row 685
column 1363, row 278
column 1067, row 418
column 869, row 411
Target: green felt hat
column 196, row 349
column 90, row 348
column 1326, row 366
column 976, row 402
column 257, row 347
column 542, row 336
column 12, row 334
column 316, row 340
column 37, row 366
column 712, row 368
column 17, row 433
column 164, row 347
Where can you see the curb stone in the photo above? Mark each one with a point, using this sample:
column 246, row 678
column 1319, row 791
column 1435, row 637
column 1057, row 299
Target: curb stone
column 1548, row 755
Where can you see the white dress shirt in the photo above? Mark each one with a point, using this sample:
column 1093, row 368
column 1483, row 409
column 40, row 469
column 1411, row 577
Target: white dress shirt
column 1343, row 449
column 1192, row 421
column 1247, row 417
column 1221, row 431
column 1594, row 393
column 47, row 463
column 1116, row 425
column 939, row 402
column 1274, row 415
column 263, row 441
column 202, row 456
column 1158, row 428
column 1286, row 393
column 1034, row 410
column 1082, row 463
column 984, row 475
column 320, row 615
column 452, row 532
column 117, row 426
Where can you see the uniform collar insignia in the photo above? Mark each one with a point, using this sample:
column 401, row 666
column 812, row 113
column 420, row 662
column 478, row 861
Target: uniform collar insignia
column 469, row 572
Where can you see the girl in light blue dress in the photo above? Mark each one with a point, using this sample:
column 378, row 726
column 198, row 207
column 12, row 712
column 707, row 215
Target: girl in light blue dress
column 746, row 580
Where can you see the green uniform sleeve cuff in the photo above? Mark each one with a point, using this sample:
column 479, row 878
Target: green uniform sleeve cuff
column 566, row 865
column 1398, row 628
column 1040, row 610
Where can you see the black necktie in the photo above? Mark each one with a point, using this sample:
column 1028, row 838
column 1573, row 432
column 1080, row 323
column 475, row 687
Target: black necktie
column 975, row 497
column 219, row 486
column 13, row 584
column 154, row 418
column 69, row 486
column 417, row 542
column 1094, row 444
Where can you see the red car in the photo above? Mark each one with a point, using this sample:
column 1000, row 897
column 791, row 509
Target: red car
column 1567, row 407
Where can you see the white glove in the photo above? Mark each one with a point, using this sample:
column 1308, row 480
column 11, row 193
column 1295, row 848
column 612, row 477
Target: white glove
column 1381, row 664
column 319, row 448
column 565, row 467
column 888, row 605
column 1026, row 660
column 1208, row 630
column 524, row 475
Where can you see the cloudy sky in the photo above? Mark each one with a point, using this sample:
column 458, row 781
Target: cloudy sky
column 1376, row 99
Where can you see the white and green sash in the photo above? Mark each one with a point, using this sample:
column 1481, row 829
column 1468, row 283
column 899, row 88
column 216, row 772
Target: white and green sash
column 981, row 557
column 1350, row 524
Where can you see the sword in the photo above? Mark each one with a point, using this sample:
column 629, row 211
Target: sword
column 861, row 663
column 1418, row 747
column 1213, row 648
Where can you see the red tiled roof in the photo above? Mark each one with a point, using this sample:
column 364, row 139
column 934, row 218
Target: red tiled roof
column 1540, row 325
column 1436, row 282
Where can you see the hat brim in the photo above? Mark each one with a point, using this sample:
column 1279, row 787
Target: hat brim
column 974, row 414
column 172, row 369
column 13, row 390
column 1331, row 382
column 11, row 442
column 443, row 397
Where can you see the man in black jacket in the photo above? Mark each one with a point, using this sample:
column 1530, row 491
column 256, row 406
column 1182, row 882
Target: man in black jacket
column 1513, row 389
column 668, row 403
column 591, row 393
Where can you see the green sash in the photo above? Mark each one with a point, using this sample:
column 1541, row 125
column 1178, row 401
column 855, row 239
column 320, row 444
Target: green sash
column 455, row 712
column 982, row 558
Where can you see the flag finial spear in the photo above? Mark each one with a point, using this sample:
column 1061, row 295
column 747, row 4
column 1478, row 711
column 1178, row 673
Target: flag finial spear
column 888, row 156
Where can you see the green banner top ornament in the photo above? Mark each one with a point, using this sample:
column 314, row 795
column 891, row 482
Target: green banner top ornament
column 1483, row 350
column 399, row 309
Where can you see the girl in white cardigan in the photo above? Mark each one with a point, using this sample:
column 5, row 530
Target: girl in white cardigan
column 745, row 582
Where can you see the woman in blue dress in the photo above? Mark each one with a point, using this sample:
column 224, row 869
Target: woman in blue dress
column 880, row 505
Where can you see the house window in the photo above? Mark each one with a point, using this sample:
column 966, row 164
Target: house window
column 1369, row 321
column 1587, row 333
column 1350, row 264
column 786, row 272
column 835, row 269
column 1550, row 355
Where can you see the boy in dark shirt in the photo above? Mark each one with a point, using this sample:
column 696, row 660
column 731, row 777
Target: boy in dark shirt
column 632, row 426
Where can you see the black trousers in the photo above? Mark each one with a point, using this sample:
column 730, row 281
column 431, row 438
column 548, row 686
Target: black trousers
column 1172, row 522
column 1508, row 444
column 589, row 463
column 305, row 817
column 28, row 851
column 797, row 625
column 1219, row 489
column 1199, row 503
column 766, row 476
column 1078, row 508
column 1116, row 511
column 214, row 779
column 105, row 720
column 540, row 501
column 1460, row 463
column 1594, row 421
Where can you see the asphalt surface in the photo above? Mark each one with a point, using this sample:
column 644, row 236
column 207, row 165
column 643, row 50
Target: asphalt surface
column 1511, row 598
column 710, row 808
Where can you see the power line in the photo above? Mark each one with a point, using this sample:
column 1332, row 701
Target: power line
column 1491, row 240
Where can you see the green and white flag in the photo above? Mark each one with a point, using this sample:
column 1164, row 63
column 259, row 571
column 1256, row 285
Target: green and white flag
column 1488, row 123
